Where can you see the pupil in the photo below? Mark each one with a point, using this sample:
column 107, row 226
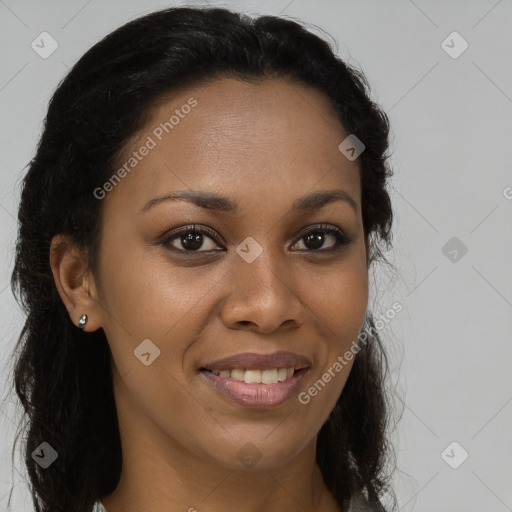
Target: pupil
column 192, row 241
column 318, row 240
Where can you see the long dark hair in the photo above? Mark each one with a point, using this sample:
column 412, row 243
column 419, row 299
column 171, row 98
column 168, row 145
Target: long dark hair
column 62, row 375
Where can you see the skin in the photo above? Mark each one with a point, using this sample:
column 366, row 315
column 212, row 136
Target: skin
column 264, row 145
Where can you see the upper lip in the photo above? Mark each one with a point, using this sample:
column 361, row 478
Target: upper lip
column 254, row 361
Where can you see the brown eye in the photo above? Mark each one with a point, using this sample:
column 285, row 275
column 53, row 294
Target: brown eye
column 192, row 239
column 315, row 239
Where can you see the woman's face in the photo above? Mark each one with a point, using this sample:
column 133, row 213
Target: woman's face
column 172, row 304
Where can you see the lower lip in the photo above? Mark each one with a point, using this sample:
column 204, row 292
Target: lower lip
column 257, row 396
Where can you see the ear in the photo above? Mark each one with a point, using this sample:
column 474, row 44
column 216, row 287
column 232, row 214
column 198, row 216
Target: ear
column 75, row 284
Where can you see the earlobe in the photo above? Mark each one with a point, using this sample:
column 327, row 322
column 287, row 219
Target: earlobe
column 74, row 283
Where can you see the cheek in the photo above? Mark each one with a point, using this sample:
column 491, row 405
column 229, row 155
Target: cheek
column 150, row 299
column 144, row 290
column 340, row 304
column 339, row 297
column 152, row 396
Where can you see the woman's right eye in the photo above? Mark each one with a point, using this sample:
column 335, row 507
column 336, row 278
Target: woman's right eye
column 191, row 239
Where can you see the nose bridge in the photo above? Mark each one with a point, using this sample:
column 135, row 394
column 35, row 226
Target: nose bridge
column 260, row 267
column 262, row 291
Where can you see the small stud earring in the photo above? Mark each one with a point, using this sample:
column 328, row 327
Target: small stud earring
column 82, row 321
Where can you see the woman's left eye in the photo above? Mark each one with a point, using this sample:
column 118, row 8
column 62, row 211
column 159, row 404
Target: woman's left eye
column 316, row 237
column 191, row 238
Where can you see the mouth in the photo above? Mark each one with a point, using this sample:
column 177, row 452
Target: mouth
column 257, row 381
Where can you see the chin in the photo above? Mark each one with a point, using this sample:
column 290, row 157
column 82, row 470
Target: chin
column 252, row 453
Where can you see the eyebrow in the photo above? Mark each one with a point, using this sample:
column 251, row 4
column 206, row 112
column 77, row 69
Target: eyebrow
column 209, row 201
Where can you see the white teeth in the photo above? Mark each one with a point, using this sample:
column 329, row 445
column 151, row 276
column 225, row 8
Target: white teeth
column 238, row 374
column 282, row 374
column 257, row 376
column 269, row 376
column 252, row 376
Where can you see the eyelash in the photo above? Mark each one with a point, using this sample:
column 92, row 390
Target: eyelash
column 342, row 239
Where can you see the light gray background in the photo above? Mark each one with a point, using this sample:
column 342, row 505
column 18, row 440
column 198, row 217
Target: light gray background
column 451, row 118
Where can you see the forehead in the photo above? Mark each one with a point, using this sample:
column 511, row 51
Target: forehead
column 244, row 140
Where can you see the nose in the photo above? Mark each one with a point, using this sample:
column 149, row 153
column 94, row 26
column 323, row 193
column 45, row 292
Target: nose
column 263, row 296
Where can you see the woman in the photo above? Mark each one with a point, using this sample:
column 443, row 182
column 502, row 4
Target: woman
column 195, row 235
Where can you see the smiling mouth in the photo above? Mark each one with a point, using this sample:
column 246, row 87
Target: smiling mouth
column 256, row 389
column 257, row 381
